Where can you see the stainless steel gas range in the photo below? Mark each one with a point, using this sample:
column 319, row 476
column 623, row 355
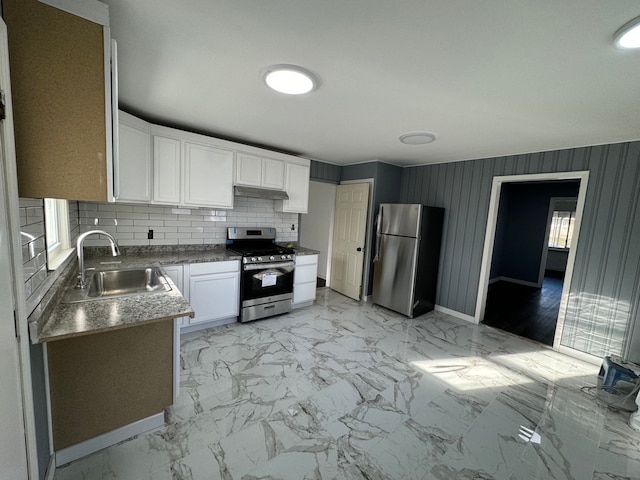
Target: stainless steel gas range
column 266, row 280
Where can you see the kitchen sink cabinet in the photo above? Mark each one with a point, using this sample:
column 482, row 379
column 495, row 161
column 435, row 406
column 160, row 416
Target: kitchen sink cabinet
column 255, row 171
column 296, row 184
column 304, row 280
column 213, row 292
column 190, row 170
column 132, row 182
column 62, row 98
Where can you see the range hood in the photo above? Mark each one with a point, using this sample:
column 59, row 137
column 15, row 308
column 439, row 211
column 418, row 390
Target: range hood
column 259, row 192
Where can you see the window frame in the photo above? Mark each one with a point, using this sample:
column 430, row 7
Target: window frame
column 57, row 231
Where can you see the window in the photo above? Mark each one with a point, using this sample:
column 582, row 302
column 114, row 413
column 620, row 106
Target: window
column 56, row 214
column 561, row 230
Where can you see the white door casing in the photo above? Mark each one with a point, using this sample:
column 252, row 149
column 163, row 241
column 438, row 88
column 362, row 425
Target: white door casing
column 13, row 437
column 489, row 240
column 349, row 234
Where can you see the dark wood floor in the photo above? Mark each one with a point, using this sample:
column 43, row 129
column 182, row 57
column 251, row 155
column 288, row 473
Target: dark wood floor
column 526, row 311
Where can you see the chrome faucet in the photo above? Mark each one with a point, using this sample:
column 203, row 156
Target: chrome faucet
column 115, row 250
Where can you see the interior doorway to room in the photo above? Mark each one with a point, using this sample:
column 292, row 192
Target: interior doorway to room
column 349, row 237
column 533, row 230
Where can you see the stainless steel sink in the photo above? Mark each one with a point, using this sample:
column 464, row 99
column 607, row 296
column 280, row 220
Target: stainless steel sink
column 117, row 283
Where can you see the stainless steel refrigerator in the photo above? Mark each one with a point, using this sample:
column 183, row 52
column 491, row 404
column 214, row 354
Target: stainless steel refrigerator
column 405, row 271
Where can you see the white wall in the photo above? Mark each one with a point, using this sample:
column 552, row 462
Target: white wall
column 316, row 227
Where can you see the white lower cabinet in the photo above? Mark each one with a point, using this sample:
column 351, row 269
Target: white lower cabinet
column 214, row 292
column 304, row 280
column 175, row 273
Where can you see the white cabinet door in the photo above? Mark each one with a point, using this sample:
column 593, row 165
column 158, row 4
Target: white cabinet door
column 166, row 170
column 208, row 176
column 296, row 183
column 273, row 173
column 214, row 290
column 304, row 279
column 134, row 166
column 248, row 170
column 214, row 296
column 256, row 171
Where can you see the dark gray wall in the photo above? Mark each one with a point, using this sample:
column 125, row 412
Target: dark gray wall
column 522, row 222
column 386, row 181
column 605, row 289
column 325, row 172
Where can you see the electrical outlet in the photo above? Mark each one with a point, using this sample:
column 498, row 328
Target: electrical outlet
column 150, row 234
column 293, row 227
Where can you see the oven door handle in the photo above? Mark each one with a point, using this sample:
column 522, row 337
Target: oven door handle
column 266, row 266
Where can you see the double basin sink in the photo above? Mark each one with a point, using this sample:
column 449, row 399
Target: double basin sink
column 118, row 283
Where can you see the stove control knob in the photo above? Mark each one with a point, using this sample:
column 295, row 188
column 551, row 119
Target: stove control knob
column 272, row 257
column 283, row 257
column 259, row 259
column 289, row 257
column 253, row 259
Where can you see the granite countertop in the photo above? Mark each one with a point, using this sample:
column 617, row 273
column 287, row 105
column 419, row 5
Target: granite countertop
column 304, row 250
column 68, row 320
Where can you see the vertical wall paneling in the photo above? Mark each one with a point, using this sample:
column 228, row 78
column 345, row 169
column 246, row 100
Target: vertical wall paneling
column 602, row 309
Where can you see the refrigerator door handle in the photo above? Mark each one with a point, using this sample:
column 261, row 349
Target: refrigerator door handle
column 378, row 236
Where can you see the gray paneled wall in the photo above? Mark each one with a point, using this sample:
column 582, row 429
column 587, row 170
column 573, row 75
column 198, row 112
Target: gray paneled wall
column 325, row 172
column 605, row 290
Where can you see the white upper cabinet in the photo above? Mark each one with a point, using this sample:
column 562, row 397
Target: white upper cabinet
column 208, row 176
column 132, row 182
column 256, row 171
column 296, row 184
column 166, row 166
column 166, row 170
column 248, row 170
column 273, row 173
column 191, row 170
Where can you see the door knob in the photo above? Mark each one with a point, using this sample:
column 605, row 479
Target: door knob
column 359, row 249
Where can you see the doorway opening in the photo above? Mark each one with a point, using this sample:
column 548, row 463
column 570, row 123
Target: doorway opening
column 532, row 231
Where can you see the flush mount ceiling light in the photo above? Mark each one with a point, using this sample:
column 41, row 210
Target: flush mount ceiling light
column 417, row 138
column 290, row 79
column 629, row 35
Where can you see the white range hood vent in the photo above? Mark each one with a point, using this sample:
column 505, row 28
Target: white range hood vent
column 258, row 192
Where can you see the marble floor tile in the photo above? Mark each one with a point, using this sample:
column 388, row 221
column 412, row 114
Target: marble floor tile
column 350, row 391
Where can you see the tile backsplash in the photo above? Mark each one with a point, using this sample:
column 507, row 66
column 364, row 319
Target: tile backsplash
column 34, row 249
column 130, row 223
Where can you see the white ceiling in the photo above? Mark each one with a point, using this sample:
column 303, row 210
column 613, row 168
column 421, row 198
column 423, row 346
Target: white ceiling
column 490, row 78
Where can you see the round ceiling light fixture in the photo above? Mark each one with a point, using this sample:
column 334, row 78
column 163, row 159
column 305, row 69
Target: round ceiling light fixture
column 417, row 138
column 290, row 79
column 629, row 35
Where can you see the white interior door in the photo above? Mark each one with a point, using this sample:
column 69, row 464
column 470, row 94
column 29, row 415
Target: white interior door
column 13, row 453
column 349, row 234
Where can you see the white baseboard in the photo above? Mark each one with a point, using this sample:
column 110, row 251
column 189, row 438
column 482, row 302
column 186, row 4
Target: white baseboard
column 515, row 280
column 105, row 440
column 202, row 326
column 295, row 306
column 453, row 313
column 585, row 357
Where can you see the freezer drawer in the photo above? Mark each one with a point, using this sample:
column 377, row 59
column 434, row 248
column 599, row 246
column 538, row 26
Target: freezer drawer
column 394, row 274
